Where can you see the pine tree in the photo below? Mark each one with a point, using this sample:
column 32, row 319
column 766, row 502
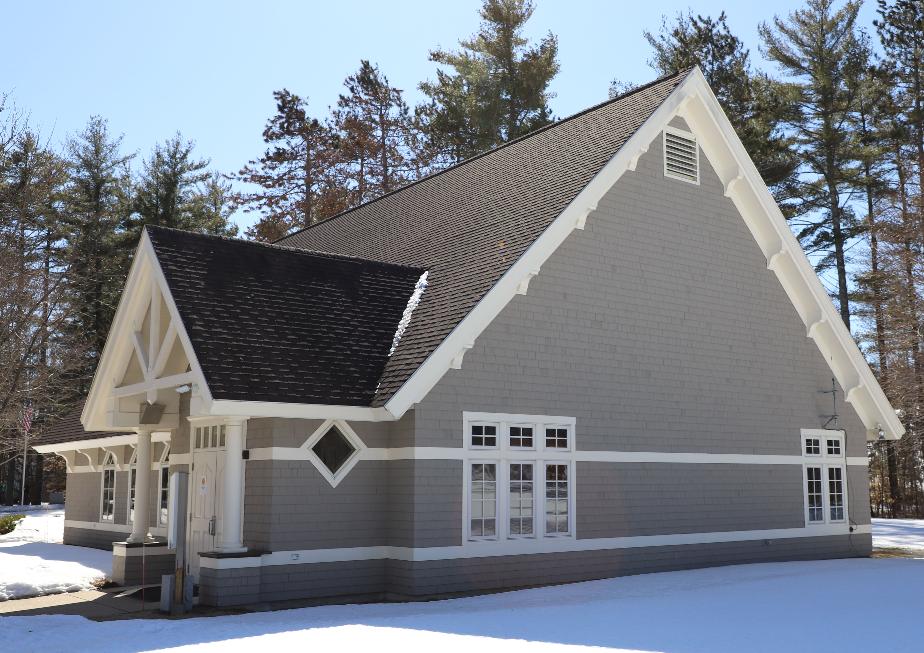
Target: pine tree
column 498, row 86
column 815, row 47
column 749, row 99
column 96, row 202
column 901, row 31
column 169, row 192
column 296, row 174
column 376, row 135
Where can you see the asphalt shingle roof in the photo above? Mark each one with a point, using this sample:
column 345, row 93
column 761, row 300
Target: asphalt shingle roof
column 468, row 224
column 273, row 323
column 68, row 429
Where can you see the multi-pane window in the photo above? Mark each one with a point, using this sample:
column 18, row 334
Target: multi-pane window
column 521, row 437
column 164, row 495
column 484, row 500
column 816, row 509
column 210, row 437
column 107, row 505
column 556, row 499
column 825, row 477
column 518, row 475
column 521, row 499
column 132, row 478
column 484, row 435
column 836, row 493
column 556, row 437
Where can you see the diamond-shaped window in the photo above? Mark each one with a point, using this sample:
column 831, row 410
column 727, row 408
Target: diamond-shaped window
column 333, row 449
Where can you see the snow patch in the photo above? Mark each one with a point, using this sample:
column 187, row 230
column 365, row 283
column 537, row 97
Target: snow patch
column 757, row 608
column 898, row 534
column 419, row 288
column 33, row 562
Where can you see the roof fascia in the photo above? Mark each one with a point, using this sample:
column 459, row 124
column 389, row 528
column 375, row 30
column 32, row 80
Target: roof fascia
column 693, row 100
column 106, row 442
column 229, row 407
column 786, row 259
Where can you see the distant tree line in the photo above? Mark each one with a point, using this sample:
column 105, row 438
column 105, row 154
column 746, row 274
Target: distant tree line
column 832, row 114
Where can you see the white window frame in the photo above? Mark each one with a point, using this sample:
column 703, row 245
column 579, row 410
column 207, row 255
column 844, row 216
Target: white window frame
column 503, row 455
column 682, row 133
column 824, row 461
column 498, row 484
column 500, row 432
column 132, row 468
column 164, row 464
column 109, row 465
column 355, row 441
column 530, row 425
column 537, row 499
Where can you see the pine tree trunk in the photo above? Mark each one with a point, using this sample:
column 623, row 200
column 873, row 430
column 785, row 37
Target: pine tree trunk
column 895, row 500
column 839, row 258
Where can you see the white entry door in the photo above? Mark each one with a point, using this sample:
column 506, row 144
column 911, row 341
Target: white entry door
column 205, row 506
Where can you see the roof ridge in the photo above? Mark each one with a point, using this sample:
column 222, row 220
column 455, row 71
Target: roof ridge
column 539, row 130
column 286, row 248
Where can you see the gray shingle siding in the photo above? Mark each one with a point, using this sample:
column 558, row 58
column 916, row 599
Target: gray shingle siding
column 623, row 499
column 658, row 327
column 82, row 500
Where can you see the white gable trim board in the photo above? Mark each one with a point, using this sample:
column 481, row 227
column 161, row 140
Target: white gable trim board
column 694, row 101
column 144, row 289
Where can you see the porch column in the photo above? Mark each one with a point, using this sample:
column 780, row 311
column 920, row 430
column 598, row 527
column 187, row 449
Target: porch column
column 142, row 518
column 232, row 504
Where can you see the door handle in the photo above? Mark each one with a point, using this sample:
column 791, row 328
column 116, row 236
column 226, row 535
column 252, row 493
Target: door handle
column 212, row 525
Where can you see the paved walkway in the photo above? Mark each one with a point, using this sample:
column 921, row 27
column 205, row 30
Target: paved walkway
column 93, row 604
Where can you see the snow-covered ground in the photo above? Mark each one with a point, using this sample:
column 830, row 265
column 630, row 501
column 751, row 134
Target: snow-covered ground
column 898, row 534
column 783, row 608
column 33, row 561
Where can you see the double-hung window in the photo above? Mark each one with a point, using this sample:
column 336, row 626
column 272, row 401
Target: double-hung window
column 825, row 477
column 107, row 498
column 518, row 476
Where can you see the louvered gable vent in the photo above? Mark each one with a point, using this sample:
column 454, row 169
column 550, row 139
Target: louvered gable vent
column 681, row 156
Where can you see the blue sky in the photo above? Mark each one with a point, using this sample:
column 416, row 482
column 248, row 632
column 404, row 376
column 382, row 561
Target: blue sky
column 208, row 69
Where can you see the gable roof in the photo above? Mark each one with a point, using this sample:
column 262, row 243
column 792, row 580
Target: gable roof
column 470, row 223
column 272, row 323
column 482, row 229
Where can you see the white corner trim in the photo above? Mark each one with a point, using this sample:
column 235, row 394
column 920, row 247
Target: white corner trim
column 523, row 546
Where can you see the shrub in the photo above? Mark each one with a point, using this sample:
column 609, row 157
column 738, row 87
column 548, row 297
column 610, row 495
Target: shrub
column 8, row 523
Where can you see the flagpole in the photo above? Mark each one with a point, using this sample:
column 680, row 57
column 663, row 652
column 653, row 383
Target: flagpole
column 25, row 452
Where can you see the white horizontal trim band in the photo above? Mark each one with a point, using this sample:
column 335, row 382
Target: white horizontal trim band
column 520, row 547
column 141, row 551
column 456, row 453
column 110, row 527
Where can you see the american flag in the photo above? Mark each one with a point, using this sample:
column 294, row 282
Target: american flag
column 26, row 423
